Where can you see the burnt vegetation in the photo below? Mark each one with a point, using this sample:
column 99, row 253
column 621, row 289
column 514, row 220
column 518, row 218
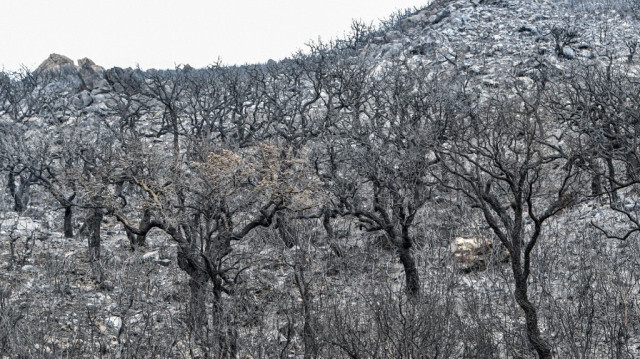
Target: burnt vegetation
column 341, row 203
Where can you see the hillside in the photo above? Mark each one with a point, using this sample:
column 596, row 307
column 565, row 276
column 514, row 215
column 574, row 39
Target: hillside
column 459, row 182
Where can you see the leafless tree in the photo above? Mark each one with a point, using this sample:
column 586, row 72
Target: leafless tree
column 516, row 172
column 377, row 165
column 219, row 201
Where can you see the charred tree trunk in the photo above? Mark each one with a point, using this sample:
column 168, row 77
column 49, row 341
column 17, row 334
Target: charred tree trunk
column 19, row 193
column 224, row 337
column 189, row 260
column 612, row 180
column 331, row 235
column 521, row 272
column 308, row 332
column 68, row 222
column 93, row 226
column 141, row 240
column 596, row 180
column 412, row 278
column 138, row 240
column 633, row 167
column 197, row 314
column 287, row 233
column 531, row 318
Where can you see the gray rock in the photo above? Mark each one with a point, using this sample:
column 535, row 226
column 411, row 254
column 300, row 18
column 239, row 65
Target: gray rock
column 163, row 262
column 473, row 254
column 57, row 63
column 568, row 53
column 106, row 286
column 528, row 29
column 29, row 268
column 93, row 76
column 115, row 322
column 100, row 86
column 441, row 16
column 150, row 256
column 393, row 35
column 82, row 100
column 87, row 64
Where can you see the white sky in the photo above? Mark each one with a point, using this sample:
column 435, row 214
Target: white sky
column 163, row 33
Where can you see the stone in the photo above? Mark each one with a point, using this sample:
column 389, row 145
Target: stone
column 568, row 53
column 473, row 254
column 114, row 322
column 57, row 63
column 29, row 268
column 88, row 64
column 163, row 262
column 100, row 86
column 106, row 286
column 82, row 100
column 441, row 16
column 92, row 76
column 153, row 255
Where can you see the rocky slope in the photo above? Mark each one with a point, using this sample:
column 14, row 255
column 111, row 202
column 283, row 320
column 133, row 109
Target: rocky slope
column 494, row 39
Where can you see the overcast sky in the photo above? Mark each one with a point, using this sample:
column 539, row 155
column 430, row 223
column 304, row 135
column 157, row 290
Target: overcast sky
column 163, row 33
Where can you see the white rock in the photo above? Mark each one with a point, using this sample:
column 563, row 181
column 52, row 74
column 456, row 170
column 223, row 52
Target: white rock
column 114, row 322
column 150, row 256
column 568, row 53
column 473, row 254
column 29, row 268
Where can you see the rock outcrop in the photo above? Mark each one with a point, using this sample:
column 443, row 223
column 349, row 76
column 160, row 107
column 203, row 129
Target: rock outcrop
column 92, row 76
column 57, row 63
column 87, row 64
column 86, row 78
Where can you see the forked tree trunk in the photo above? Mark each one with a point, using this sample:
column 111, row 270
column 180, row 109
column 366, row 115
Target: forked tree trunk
column 520, row 277
column 136, row 240
column 531, row 318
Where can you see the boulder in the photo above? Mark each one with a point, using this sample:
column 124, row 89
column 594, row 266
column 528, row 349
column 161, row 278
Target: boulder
column 29, row 268
column 93, row 76
column 441, row 16
column 568, row 53
column 115, row 322
column 100, row 86
column 473, row 254
column 87, row 64
column 82, row 100
column 58, row 64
